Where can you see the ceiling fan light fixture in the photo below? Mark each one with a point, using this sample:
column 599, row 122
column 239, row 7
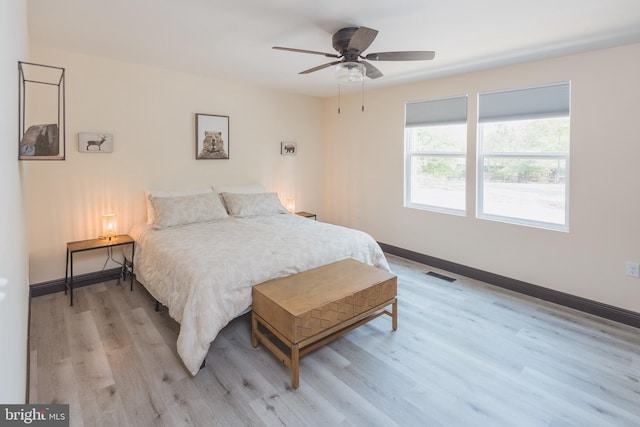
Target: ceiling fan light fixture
column 350, row 72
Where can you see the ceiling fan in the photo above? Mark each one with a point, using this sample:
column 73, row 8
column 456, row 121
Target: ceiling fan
column 350, row 43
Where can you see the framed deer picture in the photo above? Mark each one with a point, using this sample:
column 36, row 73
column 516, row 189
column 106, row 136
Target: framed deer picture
column 95, row 142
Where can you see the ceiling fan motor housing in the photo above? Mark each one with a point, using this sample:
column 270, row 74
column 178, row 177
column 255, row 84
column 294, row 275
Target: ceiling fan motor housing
column 341, row 41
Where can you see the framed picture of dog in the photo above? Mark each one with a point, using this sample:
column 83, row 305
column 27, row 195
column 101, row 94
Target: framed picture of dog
column 288, row 148
column 212, row 137
column 95, row 142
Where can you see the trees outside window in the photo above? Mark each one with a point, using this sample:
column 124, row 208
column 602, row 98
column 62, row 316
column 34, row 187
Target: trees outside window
column 437, row 167
column 436, row 151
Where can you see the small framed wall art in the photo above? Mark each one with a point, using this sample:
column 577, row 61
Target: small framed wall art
column 288, row 148
column 212, row 137
column 95, row 142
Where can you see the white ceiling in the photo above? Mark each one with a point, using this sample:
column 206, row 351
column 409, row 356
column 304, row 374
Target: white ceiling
column 232, row 40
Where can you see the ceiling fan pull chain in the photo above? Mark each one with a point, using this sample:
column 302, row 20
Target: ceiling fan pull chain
column 363, row 95
column 338, row 98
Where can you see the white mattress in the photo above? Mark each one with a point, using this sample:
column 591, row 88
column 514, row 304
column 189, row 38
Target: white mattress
column 204, row 272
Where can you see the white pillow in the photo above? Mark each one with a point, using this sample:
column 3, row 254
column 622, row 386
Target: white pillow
column 172, row 211
column 253, row 204
column 161, row 193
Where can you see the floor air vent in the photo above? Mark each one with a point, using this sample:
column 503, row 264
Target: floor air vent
column 441, row 276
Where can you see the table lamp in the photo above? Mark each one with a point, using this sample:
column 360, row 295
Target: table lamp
column 109, row 226
column 291, row 205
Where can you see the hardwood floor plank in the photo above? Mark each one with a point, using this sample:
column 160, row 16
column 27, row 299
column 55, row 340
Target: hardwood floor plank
column 150, row 342
column 48, row 313
column 87, row 353
column 106, row 409
column 347, row 400
column 381, row 383
column 65, row 390
column 111, row 326
column 222, row 401
column 582, row 403
column 142, row 401
column 265, row 381
column 33, row 376
column 465, row 353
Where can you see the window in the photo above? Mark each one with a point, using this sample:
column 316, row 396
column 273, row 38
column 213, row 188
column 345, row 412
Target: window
column 523, row 156
column 435, row 154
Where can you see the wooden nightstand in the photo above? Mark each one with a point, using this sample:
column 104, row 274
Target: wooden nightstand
column 89, row 245
column 307, row 215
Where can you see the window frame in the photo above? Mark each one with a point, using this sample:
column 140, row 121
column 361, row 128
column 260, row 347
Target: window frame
column 482, row 156
column 411, row 154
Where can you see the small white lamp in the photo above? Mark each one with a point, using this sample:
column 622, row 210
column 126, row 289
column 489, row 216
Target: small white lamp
column 109, row 222
column 291, row 204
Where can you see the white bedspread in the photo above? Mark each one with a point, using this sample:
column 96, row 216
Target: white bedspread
column 204, row 272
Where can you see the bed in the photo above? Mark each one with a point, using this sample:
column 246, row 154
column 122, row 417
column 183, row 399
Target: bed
column 200, row 254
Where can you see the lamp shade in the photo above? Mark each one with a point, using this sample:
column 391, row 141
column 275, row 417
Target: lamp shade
column 109, row 225
column 350, row 72
column 291, row 205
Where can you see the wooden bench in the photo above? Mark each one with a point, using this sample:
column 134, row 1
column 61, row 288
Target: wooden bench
column 307, row 310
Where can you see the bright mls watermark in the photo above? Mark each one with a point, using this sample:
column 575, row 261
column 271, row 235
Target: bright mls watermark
column 54, row 415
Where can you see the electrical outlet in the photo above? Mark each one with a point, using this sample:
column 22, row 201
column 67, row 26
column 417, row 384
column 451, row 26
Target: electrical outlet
column 633, row 269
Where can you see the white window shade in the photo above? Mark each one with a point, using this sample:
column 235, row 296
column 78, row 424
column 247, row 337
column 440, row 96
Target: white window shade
column 436, row 112
column 522, row 104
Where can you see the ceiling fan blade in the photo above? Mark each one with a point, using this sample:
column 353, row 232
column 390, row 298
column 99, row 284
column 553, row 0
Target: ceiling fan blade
column 362, row 39
column 314, row 52
column 319, row 67
column 415, row 55
column 371, row 71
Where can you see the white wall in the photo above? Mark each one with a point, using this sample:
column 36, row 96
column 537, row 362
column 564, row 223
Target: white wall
column 365, row 187
column 151, row 113
column 13, row 254
column 350, row 166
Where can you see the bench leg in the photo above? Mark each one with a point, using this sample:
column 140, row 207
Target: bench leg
column 295, row 366
column 394, row 314
column 254, row 329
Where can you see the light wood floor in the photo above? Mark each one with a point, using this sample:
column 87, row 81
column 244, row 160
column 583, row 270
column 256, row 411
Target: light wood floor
column 464, row 354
